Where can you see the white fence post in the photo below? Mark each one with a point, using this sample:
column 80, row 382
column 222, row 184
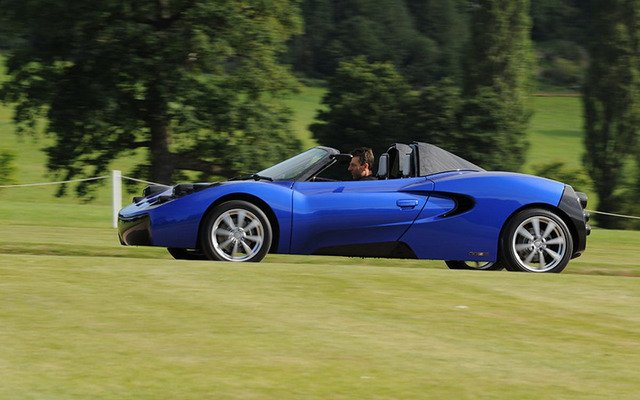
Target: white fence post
column 116, row 192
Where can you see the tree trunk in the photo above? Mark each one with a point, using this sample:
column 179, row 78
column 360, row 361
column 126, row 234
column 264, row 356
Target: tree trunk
column 161, row 159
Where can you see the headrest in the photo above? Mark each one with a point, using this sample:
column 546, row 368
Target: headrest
column 383, row 166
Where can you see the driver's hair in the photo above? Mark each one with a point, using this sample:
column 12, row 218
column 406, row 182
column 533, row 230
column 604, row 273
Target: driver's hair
column 365, row 154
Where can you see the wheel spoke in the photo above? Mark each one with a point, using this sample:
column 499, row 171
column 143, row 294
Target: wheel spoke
column 246, row 248
column 254, row 238
column 553, row 254
column 234, row 251
column 241, row 215
column 525, row 233
column 543, row 262
column 226, row 243
column 254, row 224
column 229, row 221
column 558, row 240
column 550, row 228
column 223, row 232
column 529, row 257
column 523, row 246
column 535, row 222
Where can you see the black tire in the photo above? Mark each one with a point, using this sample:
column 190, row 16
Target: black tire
column 536, row 240
column 186, row 254
column 236, row 231
column 475, row 265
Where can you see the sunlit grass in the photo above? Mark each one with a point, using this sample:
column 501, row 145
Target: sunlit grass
column 556, row 132
column 103, row 328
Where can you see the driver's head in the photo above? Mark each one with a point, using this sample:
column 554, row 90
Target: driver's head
column 361, row 162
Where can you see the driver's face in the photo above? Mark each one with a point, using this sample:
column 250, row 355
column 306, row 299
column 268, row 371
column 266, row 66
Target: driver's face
column 355, row 168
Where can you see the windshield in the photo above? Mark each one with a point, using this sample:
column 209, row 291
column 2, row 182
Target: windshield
column 292, row 168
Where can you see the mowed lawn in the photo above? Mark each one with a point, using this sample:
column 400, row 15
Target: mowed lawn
column 123, row 328
column 556, row 132
column 83, row 317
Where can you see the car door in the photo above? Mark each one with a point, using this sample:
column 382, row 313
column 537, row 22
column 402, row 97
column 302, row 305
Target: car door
column 354, row 218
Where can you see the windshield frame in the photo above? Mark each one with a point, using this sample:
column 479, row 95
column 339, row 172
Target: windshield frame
column 295, row 169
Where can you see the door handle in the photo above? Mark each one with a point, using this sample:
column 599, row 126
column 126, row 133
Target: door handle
column 407, row 203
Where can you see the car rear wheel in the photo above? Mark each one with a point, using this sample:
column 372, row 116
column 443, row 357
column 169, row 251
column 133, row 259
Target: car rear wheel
column 536, row 240
column 186, row 254
column 236, row 231
column 476, row 265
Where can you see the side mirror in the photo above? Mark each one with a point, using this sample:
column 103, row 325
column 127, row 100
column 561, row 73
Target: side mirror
column 342, row 158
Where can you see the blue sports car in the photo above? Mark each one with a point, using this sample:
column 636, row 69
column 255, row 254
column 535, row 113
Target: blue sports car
column 426, row 203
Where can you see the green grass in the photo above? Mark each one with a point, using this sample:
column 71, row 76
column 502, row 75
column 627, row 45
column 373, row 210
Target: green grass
column 305, row 105
column 556, row 132
column 117, row 328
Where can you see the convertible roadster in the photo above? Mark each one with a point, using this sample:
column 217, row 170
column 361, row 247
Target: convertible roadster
column 426, row 203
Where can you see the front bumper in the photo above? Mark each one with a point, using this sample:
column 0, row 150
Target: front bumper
column 135, row 230
column 573, row 207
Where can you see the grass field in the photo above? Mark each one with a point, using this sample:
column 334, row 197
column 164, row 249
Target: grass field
column 104, row 327
column 556, row 131
column 83, row 317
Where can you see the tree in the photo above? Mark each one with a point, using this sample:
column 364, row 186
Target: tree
column 380, row 30
column 7, row 168
column 367, row 105
column 446, row 23
column 497, row 86
column 559, row 31
column 434, row 116
column 612, row 99
column 196, row 83
column 558, row 20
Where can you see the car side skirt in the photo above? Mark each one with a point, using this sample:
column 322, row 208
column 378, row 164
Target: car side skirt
column 374, row 250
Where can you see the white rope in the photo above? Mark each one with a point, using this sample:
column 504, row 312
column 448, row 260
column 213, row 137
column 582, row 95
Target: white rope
column 155, row 183
column 613, row 215
column 142, row 181
column 56, row 183
column 79, row 180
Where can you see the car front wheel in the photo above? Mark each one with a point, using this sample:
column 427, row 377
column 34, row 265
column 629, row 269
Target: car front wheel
column 236, row 231
column 536, row 240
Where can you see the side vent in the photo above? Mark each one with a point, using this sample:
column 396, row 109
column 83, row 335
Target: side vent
column 463, row 204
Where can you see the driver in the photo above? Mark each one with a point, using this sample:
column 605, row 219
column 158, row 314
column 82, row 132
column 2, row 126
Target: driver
column 361, row 164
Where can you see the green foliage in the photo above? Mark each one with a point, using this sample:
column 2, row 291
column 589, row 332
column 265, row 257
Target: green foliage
column 426, row 39
column 434, row 116
column 421, row 38
column 445, row 23
column 196, row 83
column 561, row 65
column 372, row 104
column 7, row 167
column 488, row 134
column 367, row 106
column 559, row 20
column 497, row 88
column 612, row 100
column 558, row 170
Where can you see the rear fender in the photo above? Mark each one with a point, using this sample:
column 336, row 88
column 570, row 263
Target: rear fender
column 472, row 234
